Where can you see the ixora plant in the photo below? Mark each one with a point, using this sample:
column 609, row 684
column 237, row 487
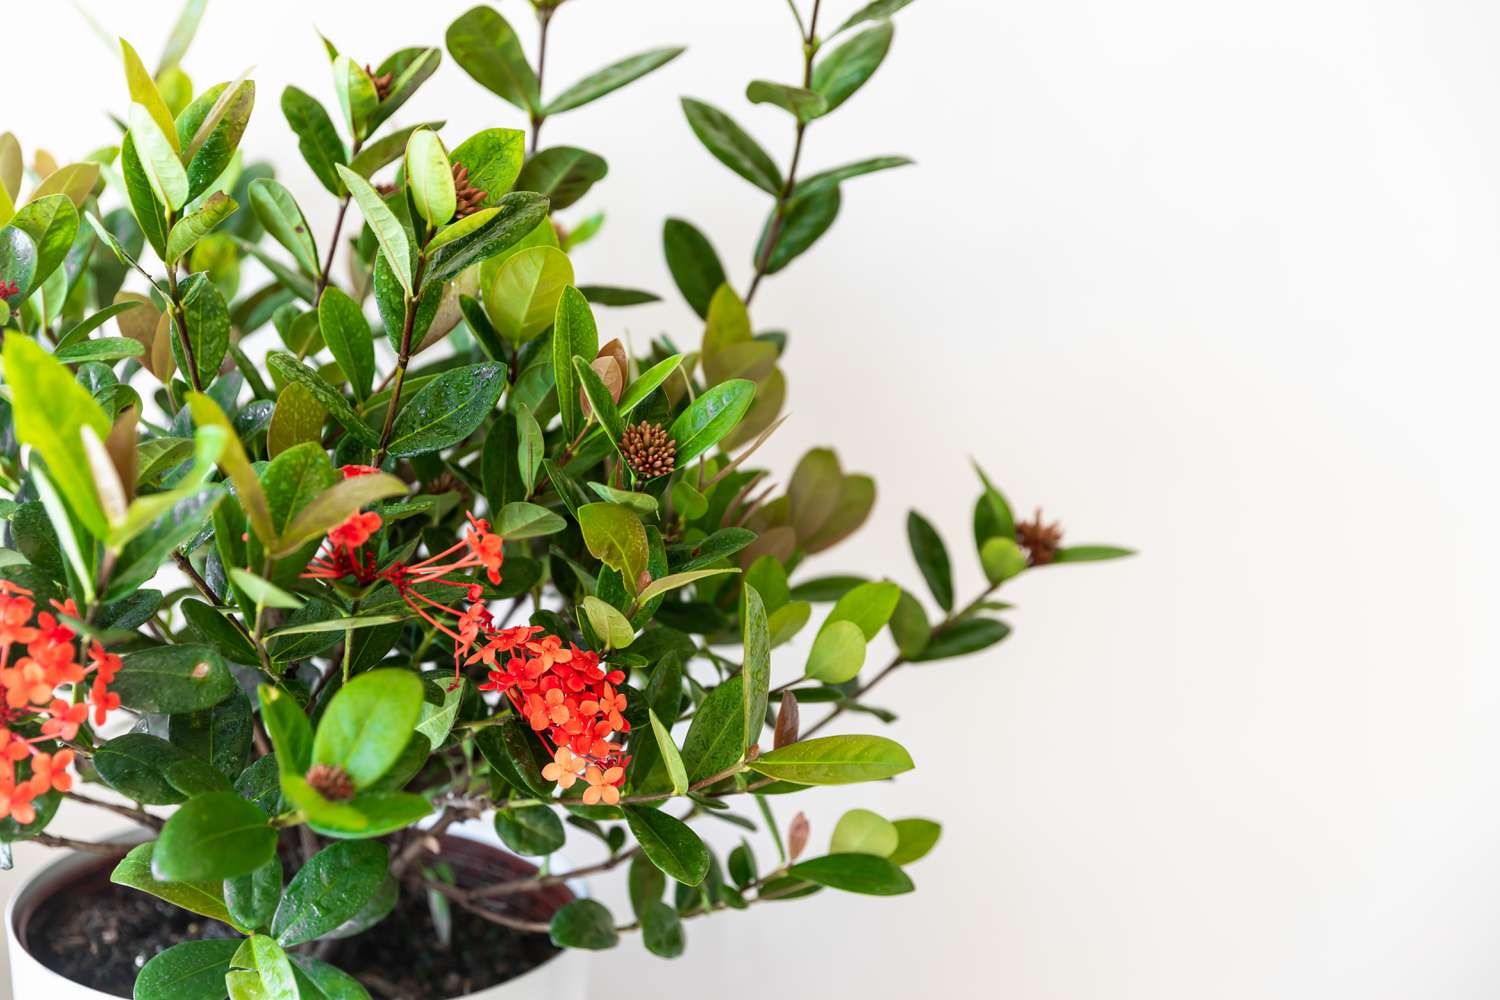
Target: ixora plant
column 446, row 550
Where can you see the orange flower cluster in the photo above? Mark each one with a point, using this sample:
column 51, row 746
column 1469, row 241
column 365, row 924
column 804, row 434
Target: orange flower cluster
column 569, row 700
column 31, row 713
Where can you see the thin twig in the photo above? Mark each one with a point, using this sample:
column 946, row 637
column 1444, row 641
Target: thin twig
column 140, row 816
column 83, row 846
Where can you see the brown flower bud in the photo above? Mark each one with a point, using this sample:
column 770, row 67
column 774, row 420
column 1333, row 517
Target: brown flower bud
column 1038, row 539
column 331, row 782
column 788, row 721
column 648, row 449
column 796, row 836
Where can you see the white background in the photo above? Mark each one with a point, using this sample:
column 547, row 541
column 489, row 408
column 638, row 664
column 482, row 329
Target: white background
column 1215, row 280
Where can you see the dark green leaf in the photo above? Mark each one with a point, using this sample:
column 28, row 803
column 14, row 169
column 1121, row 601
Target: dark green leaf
column 805, row 222
column 1090, row 553
column 932, row 558
column 669, row 843
column 213, row 837
column 486, row 46
column 330, row 889
column 447, row 409
column 531, row 830
column 288, row 367
column 967, row 636
column 172, row 679
column 193, row 970
column 574, row 335
column 716, row 738
column 732, row 146
column 563, row 173
column 611, row 78
column 863, row 873
column 584, row 923
column 252, row 899
column 661, row 930
column 844, row 70
column 220, row 736
column 804, row 105
column 693, row 263
column 316, row 137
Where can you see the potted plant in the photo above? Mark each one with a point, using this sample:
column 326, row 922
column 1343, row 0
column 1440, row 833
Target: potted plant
column 345, row 567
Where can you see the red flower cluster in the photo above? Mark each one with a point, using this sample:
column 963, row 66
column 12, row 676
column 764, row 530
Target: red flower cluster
column 569, row 700
column 9, row 290
column 30, row 703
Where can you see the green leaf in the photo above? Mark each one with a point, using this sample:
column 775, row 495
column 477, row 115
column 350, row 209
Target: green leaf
column 410, row 68
column 368, row 723
column 677, row 580
column 804, row 223
column 649, row 381
column 610, row 78
column 574, row 335
column 220, row 736
column 213, row 837
column 288, row 367
column 756, row 671
column 317, row 139
column 252, row 899
column 214, row 628
column 694, row 265
column 18, row 257
column 144, row 93
column 826, row 180
column 291, row 734
column 716, row 738
column 389, row 232
column 347, row 333
column 835, row 760
column 874, row 11
column 207, row 319
column 533, row 830
column 211, row 127
column 333, row 983
column 447, row 409
column 205, row 898
column 615, row 536
column 932, row 558
column 437, row 720
column 493, row 157
column 603, row 407
column 50, row 413
column 669, row 844
column 158, row 157
column 1001, row 558
column 584, row 923
column 869, row 605
column 916, row 838
column 500, row 230
column 710, row 418
column 486, row 46
column 661, row 930
column 186, row 233
column 52, row 224
column 961, row 638
column 844, row 70
column 101, row 349
column 235, row 465
column 909, row 626
column 611, row 295
column 531, row 446
column 370, row 814
column 358, row 98
column 613, row 628
column 669, row 755
column 183, row 30
column 992, row 514
column 329, row 889
column 563, row 173
column 264, row 593
column 172, row 679
column 837, row 654
column 281, row 216
column 193, row 970
column 860, row 831
column 862, row 873
column 429, row 177
column 804, row 105
column 732, row 146
column 511, row 749
column 521, row 299
column 268, row 972
column 1090, row 553
column 385, row 150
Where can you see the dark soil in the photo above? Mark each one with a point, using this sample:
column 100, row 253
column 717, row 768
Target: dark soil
column 100, row 934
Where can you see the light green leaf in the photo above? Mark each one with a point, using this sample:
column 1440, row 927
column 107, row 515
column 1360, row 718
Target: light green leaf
column 368, row 723
column 281, row 216
column 389, row 232
column 835, row 760
column 164, row 171
column 608, row 624
column 611, row 78
column 520, row 519
column 429, row 177
column 676, row 580
column 837, row 654
column 615, row 536
column 860, row 831
column 710, row 418
column 521, row 299
column 670, row 755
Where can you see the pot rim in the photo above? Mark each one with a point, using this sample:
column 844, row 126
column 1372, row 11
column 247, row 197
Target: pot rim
column 32, row 889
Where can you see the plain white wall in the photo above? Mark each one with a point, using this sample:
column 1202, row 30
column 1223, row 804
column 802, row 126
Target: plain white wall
column 1212, row 279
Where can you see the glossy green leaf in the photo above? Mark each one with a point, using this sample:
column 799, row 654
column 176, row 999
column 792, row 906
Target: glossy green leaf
column 486, row 46
column 963, row 637
column 493, row 157
column 694, row 265
column 213, row 837
column 281, row 216
column 916, row 837
column 837, row 654
column 804, row 223
column 192, row 228
column 266, row 972
column 347, row 334
column 205, row 898
column 52, row 224
column 207, row 318
column 333, row 506
column 317, row 139
column 389, row 232
column 600, row 404
column 533, row 830
column 611, row 78
column 220, row 736
column 732, row 145
column 825, row 180
column 584, row 923
column 429, row 177
column 677, row 580
column 650, row 380
column 164, row 171
column 844, row 70
column 289, row 368
column 574, row 335
column 333, row 886
column 1001, row 559
column 168, row 679
column 193, row 970
column 710, row 418
column 669, row 844
column 860, row 831
column 874, row 11
column 716, row 738
column 252, row 899
column 671, row 757
column 563, row 173
column 615, row 536
column 862, row 873
column 932, row 558
column 835, row 760
column 613, row 628
column 869, row 605
column 18, row 259
column 515, row 216
column 756, row 669
column 447, row 409
column 368, row 723
column 522, row 297
column 804, row 105
column 1090, row 553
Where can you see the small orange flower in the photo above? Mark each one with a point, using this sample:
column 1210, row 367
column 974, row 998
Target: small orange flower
column 488, row 548
column 50, row 772
column 26, row 683
column 104, row 663
column 355, row 531
column 66, row 719
column 563, row 769
column 15, row 800
column 603, row 785
column 547, row 652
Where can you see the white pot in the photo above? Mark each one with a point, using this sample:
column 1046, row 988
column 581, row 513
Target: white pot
column 562, row 977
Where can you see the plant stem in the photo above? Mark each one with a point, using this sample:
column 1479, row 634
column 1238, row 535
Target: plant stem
column 544, row 21
column 783, row 200
column 140, row 816
column 402, row 360
column 179, row 322
column 83, row 846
